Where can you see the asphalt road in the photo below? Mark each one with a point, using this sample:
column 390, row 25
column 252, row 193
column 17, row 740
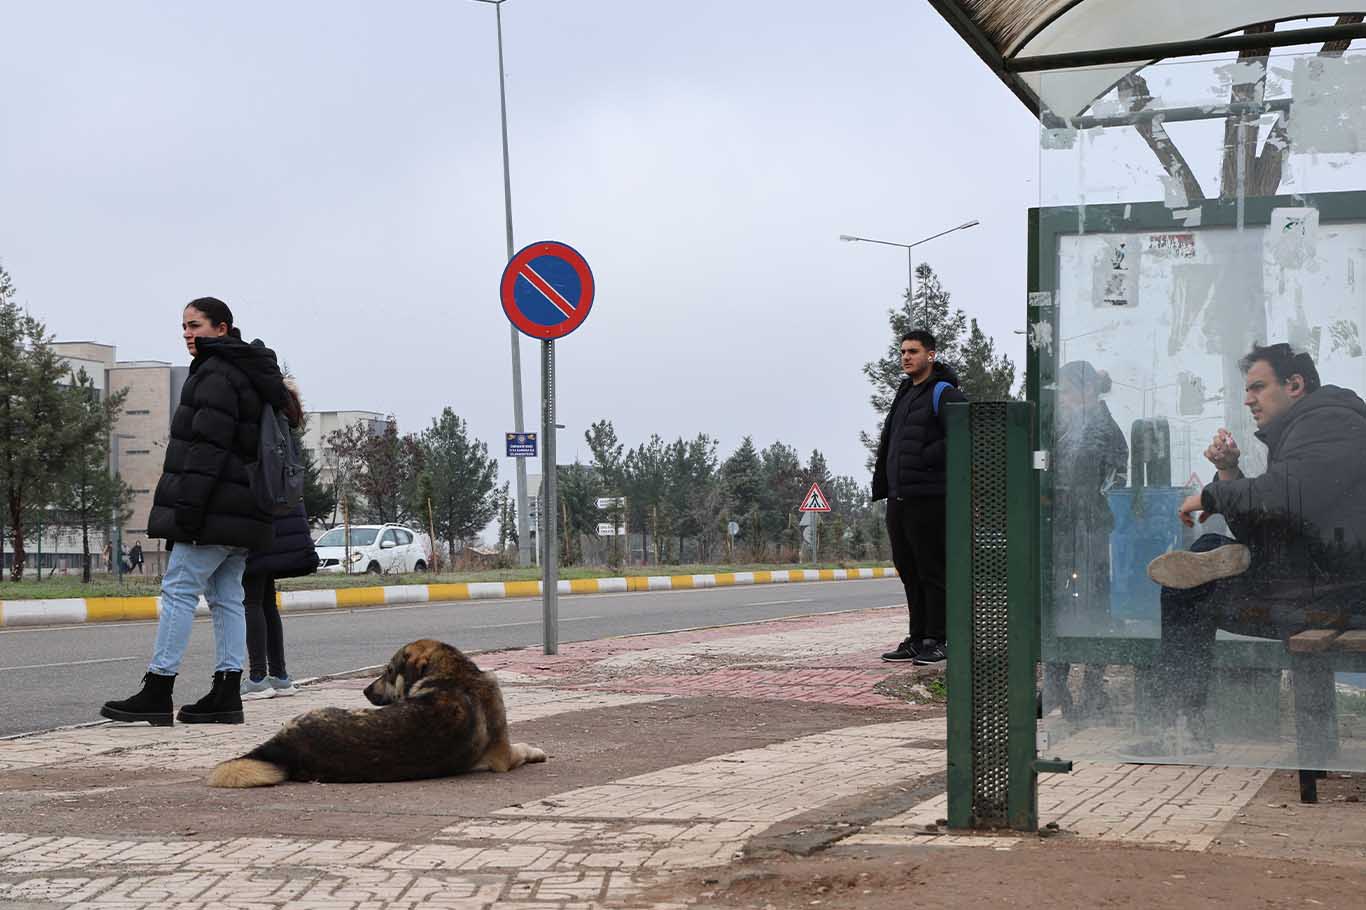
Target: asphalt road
column 60, row 675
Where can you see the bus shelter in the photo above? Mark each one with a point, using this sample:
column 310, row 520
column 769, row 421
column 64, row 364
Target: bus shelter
column 1201, row 220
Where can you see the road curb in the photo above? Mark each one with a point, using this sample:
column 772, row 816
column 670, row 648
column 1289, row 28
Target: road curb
column 66, row 611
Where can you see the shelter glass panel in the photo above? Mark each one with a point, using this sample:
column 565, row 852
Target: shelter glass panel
column 1191, row 213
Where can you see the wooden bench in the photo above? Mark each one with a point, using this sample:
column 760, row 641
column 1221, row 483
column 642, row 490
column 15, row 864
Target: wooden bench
column 1316, row 718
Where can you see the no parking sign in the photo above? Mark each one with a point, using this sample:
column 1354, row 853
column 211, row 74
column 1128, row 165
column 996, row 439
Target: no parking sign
column 547, row 290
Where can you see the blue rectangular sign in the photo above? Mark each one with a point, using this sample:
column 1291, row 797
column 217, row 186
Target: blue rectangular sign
column 521, row 445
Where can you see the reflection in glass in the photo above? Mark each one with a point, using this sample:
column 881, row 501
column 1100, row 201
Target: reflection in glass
column 1091, row 458
column 1196, row 327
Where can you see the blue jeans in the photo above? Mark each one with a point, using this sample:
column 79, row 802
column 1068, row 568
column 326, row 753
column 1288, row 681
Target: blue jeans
column 215, row 572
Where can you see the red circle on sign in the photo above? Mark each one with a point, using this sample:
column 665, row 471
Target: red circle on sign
column 575, row 311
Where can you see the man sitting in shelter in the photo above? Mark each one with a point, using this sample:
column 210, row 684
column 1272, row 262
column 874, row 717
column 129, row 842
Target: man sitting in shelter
column 1299, row 561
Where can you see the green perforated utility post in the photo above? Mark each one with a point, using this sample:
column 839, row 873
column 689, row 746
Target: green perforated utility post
column 993, row 615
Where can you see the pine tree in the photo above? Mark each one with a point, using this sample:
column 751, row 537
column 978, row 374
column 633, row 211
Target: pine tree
column 319, row 501
column 577, row 489
column 35, row 445
column 507, row 518
column 463, row 479
column 86, row 494
column 742, row 479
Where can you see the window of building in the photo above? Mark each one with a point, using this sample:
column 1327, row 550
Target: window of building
column 137, row 451
column 133, row 413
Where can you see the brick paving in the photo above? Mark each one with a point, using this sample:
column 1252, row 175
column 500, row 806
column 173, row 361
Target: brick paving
column 589, row 846
column 1163, row 805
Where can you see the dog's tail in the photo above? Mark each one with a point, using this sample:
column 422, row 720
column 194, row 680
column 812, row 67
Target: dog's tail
column 247, row 772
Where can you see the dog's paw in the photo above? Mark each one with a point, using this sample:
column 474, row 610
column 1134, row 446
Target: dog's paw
column 533, row 754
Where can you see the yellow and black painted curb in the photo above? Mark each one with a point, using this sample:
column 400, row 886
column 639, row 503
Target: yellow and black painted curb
column 121, row 609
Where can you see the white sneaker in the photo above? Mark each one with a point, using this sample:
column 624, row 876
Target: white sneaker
column 1182, row 569
column 282, row 686
column 256, row 690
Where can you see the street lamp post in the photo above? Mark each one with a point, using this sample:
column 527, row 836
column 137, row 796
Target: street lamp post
column 910, row 258
column 523, row 532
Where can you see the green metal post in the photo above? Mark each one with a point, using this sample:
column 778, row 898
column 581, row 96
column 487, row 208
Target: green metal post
column 1023, row 621
column 958, row 673
column 992, row 615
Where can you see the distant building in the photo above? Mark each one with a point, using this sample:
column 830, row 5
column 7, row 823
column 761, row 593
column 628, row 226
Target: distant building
column 138, row 444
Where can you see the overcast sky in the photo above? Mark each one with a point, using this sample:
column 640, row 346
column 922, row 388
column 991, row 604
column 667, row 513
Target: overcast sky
column 333, row 171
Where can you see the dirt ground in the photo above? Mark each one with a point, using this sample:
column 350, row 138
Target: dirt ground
column 1327, row 868
column 1055, row 874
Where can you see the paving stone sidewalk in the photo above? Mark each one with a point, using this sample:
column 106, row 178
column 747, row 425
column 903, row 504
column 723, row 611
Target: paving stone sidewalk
column 591, row 843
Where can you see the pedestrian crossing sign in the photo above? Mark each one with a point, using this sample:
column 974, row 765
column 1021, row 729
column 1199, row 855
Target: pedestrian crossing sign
column 814, row 500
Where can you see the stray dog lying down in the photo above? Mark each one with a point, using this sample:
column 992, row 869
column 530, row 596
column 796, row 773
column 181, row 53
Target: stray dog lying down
column 439, row 715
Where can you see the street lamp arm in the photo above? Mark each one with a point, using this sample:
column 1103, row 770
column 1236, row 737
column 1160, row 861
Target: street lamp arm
column 907, row 246
column 904, row 246
column 960, row 227
column 910, row 256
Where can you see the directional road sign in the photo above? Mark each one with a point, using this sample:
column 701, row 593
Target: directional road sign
column 547, row 290
column 814, row 500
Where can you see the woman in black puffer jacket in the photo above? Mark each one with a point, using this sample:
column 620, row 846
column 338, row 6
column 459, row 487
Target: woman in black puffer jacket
column 205, row 510
column 290, row 556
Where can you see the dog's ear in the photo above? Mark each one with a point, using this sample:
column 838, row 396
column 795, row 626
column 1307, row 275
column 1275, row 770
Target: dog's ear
column 414, row 668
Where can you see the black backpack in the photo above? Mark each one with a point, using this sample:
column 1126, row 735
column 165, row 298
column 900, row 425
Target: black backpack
column 277, row 474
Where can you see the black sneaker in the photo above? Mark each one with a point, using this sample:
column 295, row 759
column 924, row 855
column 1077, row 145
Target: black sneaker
column 904, row 653
column 931, row 653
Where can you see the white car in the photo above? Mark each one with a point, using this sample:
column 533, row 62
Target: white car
column 376, row 549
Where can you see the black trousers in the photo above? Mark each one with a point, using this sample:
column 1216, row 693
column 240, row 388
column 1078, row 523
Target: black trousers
column 1264, row 602
column 916, row 528
column 265, row 633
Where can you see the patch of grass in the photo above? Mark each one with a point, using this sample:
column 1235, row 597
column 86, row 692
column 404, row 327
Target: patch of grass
column 148, row 586
column 918, row 688
column 60, row 586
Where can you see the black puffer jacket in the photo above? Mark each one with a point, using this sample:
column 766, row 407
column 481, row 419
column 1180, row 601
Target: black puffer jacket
column 1314, row 487
column 292, row 554
column 204, row 495
column 911, row 453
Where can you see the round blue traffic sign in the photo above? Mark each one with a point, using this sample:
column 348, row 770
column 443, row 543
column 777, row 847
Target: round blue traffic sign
column 547, row 290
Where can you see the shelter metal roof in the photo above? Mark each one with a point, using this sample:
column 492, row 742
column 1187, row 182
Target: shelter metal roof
column 1022, row 39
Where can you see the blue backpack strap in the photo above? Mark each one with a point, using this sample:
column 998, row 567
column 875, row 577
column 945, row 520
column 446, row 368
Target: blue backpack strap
column 939, row 388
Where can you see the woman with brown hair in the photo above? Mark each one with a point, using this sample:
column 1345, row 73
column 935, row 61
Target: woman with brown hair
column 205, row 510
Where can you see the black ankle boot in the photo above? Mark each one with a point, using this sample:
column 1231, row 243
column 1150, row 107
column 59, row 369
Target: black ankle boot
column 223, row 704
column 152, row 703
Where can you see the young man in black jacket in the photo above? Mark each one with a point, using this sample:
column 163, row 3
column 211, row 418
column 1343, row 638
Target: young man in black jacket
column 909, row 474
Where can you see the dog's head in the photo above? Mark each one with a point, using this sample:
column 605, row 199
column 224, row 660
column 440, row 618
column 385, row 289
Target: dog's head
column 406, row 669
